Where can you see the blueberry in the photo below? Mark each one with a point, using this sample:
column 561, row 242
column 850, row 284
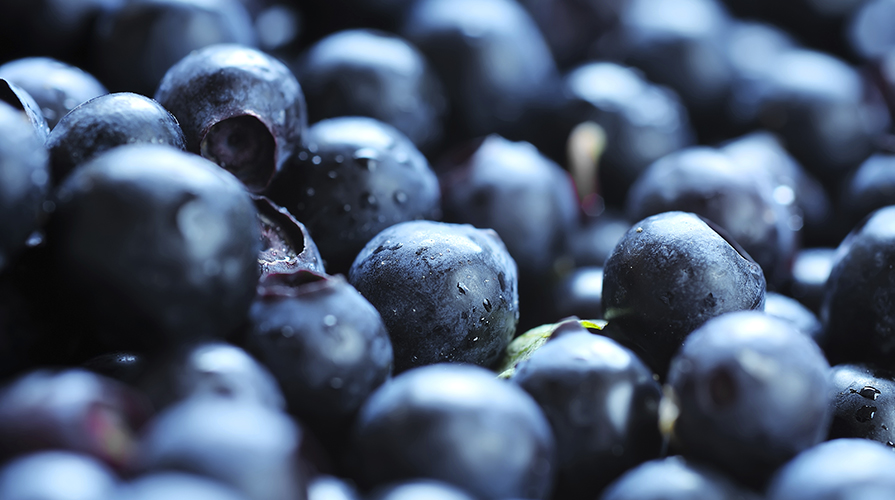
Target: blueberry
column 670, row 274
column 458, row 424
column 419, row 488
column 810, row 270
column 286, row 245
column 730, row 366
column 249, row 447
column 56, row 475
column 869, row 187
column 238, row 107
column 602, row 403
column 837, row 469
column 356, row 177
column 105, row 122
column 156, row 247
column 790, row 309
column 137, row 43
column 177, row 486
column 862, row 405
column 25, row 173
column 674, row 478
column 858, row 321
column 579, row 293
column 326, row 345
column 740, row 200
column 74, row 410
column 56, row 87
column 364, row 72
column 446, row 292
column 326, row 487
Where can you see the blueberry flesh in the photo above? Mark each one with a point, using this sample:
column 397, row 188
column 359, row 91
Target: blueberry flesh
column 325, row 344
column 356, row 177
column 251, row 448
column 56, row 475
column 364, row 72
column 286, row 245
column 178, row 486
column 673, row 478
column 105, row 122
column 863, row 403
column 73, row 410
column 25, row 172
column 711, row 184
column 446, row 292
column 602, row 403
column 56, row 87
column 837, row 469
column 858, row 321
column 458, row 424
column 157, row 248
column 734, row 364
column 136, row 44
column 238, row 107
column 668, row 275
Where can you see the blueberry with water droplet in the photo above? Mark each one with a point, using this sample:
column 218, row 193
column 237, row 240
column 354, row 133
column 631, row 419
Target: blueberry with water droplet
column 360, row 196
column 864, row 402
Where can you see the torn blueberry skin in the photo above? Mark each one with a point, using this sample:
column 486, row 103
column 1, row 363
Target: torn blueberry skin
column 286, row 244
column 25, row 174
column 20, row 99
column 136, row 44
column 668, row 275
column 239, row 108
column 154, row 247
column 56, row 87
column 355, row 177
column 364, row 72
column 446, row 292
column 105, row 122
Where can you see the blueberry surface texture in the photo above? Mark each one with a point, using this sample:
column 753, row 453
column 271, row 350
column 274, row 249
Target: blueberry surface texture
column 446, row 292
column 238, row 107
column 458, row 424
column 726, row 369
column 862, row 404
column 668, row 275
column 157, row 247
column 355, row 177
column 105, row 122
column 602, row 403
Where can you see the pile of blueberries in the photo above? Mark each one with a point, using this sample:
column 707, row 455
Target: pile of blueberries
column 447, row 250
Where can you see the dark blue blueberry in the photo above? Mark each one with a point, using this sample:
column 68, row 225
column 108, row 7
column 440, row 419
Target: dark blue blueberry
column 56, row 87
column 864, row 403
column 326, row 487
column 238, row 107
column 57, row 475
column 356, row 177
column 446, row 292
column 836, row 470
column 459, row 424
column 154, row 247
column 73, row 410
column 251, row 448
column 579, row 293
column 810, row 270
column 867, row 34
column 739, row 199
column 25, row 178
column 670, row 274
column 177, row 486
column 674, row 478
column 596, row 237
column 326, row 345
column 105, row 122
column 490, row 56
column 869, row 187
column 371, row 73
column 857, row 311
column 792, row 310
column 602, row 403
column 136, row 44
column 730, row 367
column 419, row 488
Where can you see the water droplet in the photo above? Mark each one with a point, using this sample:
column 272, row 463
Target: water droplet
column 463, row 289
column 332, row 174
column 339, row 159
column 869, row 392
column 400, row 197
column 369, row 200
column 310, row 191
column 330, row 320
column 487, row 304
column 312, row 147
column 380, row 219
column 316, row 160
column 303, row 156
column 346, row 208
column 865, row 413
column 366, row 158
column 890, row 443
